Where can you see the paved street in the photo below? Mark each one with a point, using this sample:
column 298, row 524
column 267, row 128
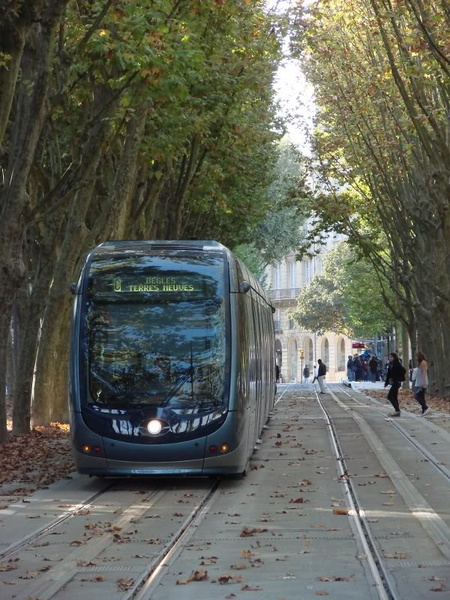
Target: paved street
column 341, row 501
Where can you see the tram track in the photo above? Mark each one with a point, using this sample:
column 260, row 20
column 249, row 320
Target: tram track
column 82, row 559
column 382, row 583
column 41, row 532
column 144, row 588
column 423, row 451
column 436, row 528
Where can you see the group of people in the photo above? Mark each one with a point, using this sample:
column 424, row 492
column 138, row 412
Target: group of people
column 396, row 375
column 364, row 368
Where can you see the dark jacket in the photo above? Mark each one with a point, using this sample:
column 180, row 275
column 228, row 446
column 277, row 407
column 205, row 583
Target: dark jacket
column 322, row 370
column 395, row 373
column 373, row 364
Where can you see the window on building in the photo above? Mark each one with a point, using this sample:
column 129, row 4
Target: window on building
column 307, row 271
column 276, row 277
column 341, row 358
column 326, row 352
column 309, row 351
column 292, row 274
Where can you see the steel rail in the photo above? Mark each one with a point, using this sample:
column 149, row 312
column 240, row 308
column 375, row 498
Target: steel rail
column 42, row 531
column 144, row 587
column 382, row 580
column 426, row 453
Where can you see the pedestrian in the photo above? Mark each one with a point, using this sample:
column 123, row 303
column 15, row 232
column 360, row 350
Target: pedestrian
column 357, row 367
column 321, row 372
column 306, row 374
column 315, row 374
column 421, row 382
column 394, row 377
column 350, row 374
column 373, row 366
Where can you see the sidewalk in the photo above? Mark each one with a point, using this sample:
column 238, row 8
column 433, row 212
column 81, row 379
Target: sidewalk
column 363, row 385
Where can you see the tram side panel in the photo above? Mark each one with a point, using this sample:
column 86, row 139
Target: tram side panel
column 240, row 426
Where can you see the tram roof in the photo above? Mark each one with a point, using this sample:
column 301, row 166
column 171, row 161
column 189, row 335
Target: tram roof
column 145, row 246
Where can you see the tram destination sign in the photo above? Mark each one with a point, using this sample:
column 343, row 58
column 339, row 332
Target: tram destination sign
column 113, row 285
column 154, row 284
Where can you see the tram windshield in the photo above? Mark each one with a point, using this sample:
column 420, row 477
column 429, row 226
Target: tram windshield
column 155, row 332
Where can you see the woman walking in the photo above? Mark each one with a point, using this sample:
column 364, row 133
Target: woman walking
column 421, row 382
column 395, row 375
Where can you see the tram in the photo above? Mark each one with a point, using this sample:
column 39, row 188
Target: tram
column 172, row 362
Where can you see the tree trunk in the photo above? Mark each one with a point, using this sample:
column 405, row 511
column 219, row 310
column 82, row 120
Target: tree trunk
column 4, row 327
column 31, row 308
column 50, row 402
column 24, row 137
column 405, row 354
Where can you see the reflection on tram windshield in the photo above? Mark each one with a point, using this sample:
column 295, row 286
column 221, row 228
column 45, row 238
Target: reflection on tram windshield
column 171, row 355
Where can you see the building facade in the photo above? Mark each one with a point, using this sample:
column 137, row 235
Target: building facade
column 296, row 348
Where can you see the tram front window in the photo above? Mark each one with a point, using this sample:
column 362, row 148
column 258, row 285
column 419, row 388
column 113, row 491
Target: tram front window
column 155, row 335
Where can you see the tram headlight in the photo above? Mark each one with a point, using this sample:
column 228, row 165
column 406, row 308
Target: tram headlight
column 154, row 427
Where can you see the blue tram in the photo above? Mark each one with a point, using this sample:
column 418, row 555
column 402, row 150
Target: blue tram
column 172, row 368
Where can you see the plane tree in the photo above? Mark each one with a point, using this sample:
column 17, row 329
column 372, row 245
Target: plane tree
column 347, row 297
column 380, row 70
column 145, row 120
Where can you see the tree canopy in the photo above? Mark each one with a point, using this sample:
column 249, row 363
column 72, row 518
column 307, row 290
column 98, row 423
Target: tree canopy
column 346, row 297
column 120, row 120
column 380, row 71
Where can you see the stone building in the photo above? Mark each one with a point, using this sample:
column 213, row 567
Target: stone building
column 285, row 281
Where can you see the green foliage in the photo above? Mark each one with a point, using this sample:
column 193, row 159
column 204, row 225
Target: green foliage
column 346, row 298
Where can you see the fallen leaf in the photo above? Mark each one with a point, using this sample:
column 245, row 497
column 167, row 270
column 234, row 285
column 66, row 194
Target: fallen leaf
column 30, row 575
column 340, row 511
column 247, row 532
column 440, row 588
column 338, row 578
column 11, row 565
column 198, row 575
column 226, row 579
column 211, row 560
column 124, row 584
column 250, row 588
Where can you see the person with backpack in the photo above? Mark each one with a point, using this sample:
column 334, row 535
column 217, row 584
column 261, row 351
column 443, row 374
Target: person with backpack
column 395, row 376
column 321, row 372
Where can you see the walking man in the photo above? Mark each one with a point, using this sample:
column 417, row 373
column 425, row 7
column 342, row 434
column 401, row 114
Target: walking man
column 321, row 372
